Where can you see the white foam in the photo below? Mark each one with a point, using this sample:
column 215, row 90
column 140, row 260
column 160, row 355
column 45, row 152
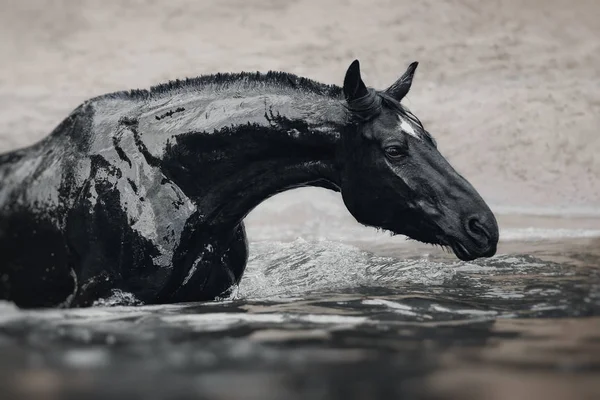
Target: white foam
column 220, row 321
column 397, row 307
column 118, row 298
column 223, row 318
column 333, row 319
column 483, row 313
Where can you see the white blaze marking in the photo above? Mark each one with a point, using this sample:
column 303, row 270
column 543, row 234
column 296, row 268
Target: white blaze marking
column 405, row 126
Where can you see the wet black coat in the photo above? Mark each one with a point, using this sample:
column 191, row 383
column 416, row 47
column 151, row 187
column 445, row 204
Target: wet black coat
column 145, row 191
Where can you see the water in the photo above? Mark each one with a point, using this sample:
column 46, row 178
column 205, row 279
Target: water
column 325, row 319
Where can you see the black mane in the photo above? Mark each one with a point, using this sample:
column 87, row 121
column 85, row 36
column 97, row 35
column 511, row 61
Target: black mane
column 224, row 80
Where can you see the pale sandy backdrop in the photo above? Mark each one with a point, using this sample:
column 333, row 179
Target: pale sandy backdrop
column 510, row 89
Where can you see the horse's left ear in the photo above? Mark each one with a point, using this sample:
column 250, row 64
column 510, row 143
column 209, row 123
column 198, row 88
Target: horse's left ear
column 354, row 87
column 401, row 87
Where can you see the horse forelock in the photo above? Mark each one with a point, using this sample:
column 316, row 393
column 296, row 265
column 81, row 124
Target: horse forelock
column 370, row 106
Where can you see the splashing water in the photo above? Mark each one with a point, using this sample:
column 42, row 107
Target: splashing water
column 316, row 312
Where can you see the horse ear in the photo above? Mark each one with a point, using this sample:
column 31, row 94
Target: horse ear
column 401, row 87
column 354, row 87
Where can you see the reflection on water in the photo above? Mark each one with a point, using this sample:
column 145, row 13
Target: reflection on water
column 318, row 319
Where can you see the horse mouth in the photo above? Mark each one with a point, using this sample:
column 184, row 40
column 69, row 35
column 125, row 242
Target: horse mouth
column 465, row 254
column 461, row 251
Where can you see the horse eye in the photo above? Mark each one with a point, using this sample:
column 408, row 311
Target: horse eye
column 394, row 151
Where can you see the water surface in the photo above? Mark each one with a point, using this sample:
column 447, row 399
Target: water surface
column 318, row 319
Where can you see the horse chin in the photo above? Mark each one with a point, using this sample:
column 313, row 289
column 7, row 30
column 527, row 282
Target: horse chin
column 461, row 251
column 465, row 254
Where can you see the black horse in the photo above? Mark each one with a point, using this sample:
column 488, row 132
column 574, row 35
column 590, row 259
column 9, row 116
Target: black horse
column 146, row 191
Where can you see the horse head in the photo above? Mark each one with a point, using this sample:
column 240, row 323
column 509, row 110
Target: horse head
column 393, row 177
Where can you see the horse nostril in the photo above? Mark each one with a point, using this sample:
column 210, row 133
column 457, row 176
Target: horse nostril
column 476, row 230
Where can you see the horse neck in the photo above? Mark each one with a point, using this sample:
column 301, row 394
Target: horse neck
column 281, row 146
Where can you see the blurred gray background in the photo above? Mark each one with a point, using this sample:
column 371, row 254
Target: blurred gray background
column 510, row 89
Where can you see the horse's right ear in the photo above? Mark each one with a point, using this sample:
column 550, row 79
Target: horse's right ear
column 401, row 87
column 354, row 87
